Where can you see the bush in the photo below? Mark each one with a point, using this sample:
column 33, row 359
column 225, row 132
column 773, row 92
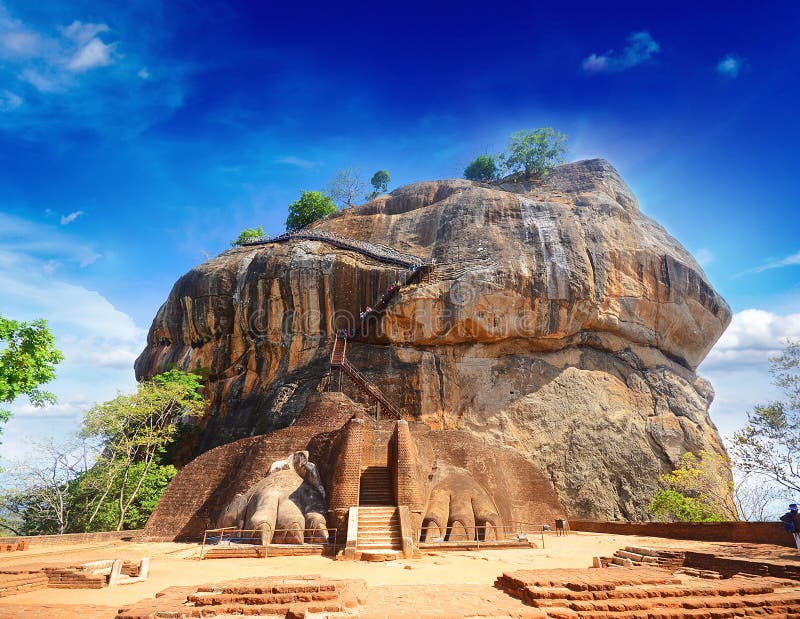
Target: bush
column 247, row 235
column 483, row 168
column 311, row 206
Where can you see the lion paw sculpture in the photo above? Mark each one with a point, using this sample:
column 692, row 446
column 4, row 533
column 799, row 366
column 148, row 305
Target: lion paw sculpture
column 286, row 507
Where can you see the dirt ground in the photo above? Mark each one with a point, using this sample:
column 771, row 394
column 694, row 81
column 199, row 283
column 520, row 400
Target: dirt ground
column 179, row 564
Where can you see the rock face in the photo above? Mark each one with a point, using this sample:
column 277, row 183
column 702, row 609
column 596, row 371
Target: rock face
column 559, row 320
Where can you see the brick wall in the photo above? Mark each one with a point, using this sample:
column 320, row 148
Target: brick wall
column 346, row 474
column 407, row 484
column 71, row 538
column 749, row 532
column 196, row 496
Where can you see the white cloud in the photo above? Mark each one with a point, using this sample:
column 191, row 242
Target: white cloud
column 730, row 66
column 68, row 219
column 99, row 341
column 15, row 39
column 738, row 365
column 39, row 81
column 143, row 73
column 83, row 33
column 21, row 43
column 753, row 337
column 640, row 48
column 793, row 260
column 92, row 55
column 9, row 101
column 296, row 161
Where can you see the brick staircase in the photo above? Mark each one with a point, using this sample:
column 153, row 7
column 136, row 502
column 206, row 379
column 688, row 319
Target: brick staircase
column 628, row 593
column 376, row 486
column 379, row 532
column 270, row 597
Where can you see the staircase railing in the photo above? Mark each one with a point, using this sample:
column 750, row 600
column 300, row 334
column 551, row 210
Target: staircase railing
column 377, row 251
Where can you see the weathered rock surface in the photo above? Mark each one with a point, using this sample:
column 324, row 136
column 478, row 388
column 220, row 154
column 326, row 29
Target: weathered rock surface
column 559, row 320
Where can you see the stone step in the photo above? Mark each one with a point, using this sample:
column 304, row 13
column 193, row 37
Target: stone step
column 261, row 599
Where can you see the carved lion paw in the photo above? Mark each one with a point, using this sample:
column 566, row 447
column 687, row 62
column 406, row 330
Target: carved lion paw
column 458, row 508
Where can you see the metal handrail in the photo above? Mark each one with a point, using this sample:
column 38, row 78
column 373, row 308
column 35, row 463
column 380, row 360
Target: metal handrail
column 371, row 388
column 377, row 251
column 252, row 537
column 509, row 531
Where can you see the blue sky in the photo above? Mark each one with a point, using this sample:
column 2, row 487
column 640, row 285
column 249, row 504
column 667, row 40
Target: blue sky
column 135, row 140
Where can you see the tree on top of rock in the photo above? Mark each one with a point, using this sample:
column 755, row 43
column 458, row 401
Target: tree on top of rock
column 483, row 168
column 534, row 152
column 311, row 206
column 380, row 183
column 346, row 187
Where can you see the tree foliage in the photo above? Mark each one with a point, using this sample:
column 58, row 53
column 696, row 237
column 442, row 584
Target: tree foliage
column 135, row 430
column 311, row 206
column 534, row 152
column 28, row 357
column 672, row 505
column 247, row 235
column 346, row 187
column 769, row 444
column 483, row 168
column 700, row 490
column 380, row 182
column 56, row 491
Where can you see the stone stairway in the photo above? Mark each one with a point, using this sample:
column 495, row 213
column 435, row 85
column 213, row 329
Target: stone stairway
column 376, row 486
column 630, row 593
column 379, row 532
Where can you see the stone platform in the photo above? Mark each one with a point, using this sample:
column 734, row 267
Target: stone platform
column 649, row 592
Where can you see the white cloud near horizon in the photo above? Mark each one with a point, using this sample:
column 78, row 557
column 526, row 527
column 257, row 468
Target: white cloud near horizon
column 730, row 66
column 99, row 341
column 738, row 365
column 641, row 47
column 753, row 336
column 68, row 219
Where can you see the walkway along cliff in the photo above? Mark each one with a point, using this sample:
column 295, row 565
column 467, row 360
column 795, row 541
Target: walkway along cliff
column 558, row 323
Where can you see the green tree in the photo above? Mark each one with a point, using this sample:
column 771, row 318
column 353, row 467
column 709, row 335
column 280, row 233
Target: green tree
column 247, row 235
column 151, row 482
column 534, row 152
column 380, row 183
column 672, row 505
column 700, row 490
column 133, row 432
column 769, row 445
column 346, row 186
column 311, row 206
column 27, row 360
column 483, row 168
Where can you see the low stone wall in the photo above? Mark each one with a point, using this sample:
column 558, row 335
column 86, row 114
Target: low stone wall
column 746, row 532
column 71, row 538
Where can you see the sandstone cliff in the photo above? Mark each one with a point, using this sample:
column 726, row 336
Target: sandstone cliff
column 559, row 321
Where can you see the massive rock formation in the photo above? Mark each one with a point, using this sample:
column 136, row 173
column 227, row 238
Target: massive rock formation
column 559, row 321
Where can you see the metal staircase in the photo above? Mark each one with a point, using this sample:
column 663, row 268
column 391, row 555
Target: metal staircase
column 339, row 361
